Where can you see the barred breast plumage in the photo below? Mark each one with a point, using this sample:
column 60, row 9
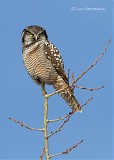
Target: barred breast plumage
column 38, row 66
column 44, row 63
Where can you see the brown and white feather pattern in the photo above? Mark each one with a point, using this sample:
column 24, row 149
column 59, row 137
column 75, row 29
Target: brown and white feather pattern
column 44, row 64
column 53, row 54
column 62, row 81
column 38, row 66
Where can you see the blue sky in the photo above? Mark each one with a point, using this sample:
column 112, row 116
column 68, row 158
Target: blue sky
column 80, row 36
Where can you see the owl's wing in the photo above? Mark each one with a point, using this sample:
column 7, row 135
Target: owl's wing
column 52, row 53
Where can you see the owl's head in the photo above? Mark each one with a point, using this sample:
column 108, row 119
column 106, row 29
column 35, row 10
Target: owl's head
column 33, row 34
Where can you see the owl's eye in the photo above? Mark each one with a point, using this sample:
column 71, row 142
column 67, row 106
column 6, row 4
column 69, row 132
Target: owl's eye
column 44, row 32
column 31, row 35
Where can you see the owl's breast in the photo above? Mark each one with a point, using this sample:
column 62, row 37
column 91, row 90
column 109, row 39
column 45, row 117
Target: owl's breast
column 38, row 66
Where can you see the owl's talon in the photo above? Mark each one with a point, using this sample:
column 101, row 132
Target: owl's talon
column 43, row 89
column 44, row 92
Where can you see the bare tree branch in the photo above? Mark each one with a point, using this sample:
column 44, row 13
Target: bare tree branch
column 59, row 129
column 72, row 77
column 87, row 102
column 55, row 92
column 58, row 119
column 90, row 89
column 43, row 152
column 67, row 150
column 69, row 116
column 27, row 127
column 94, row 63
column 68, row 74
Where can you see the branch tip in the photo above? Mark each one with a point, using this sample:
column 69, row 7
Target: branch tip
column 67, row 150
column 94, row 63
column 27, row 127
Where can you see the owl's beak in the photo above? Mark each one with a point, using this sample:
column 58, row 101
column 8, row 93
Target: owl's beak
column 36, row 37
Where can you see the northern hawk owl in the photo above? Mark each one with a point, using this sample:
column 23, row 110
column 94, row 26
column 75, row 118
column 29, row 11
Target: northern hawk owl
column 44, row 63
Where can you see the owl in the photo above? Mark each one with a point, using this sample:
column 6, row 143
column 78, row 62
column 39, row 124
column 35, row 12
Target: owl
column 44, row 64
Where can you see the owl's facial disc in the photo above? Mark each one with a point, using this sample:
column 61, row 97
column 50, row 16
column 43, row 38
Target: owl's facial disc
column 33, row 34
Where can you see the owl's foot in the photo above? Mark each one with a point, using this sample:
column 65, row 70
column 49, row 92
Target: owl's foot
column 44, row 92
column 43, row 89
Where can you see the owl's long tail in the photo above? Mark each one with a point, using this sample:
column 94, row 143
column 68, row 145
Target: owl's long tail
column 67, row 94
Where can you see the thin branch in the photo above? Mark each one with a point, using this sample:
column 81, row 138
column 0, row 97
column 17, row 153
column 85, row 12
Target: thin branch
column 72, row 77
column 87, row 102
column 68, row 74
column 69, row 116
column 59, row 129
column 58, row 119
column 90, row 89
column 43, row 152
column 27, row 127
column 94, row 63
column 67, row 150
column 55, row 92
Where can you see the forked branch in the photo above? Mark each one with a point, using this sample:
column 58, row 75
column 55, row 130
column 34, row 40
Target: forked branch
column 68, row 116
column 59, row 129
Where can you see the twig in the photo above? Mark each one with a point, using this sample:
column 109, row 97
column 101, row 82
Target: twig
column 58, row 119
column 87, row 102
column 62, row 118
column 55, row 92
column 68, row 74
column 43, row 152
column 59, row 129
column 69, row 116
column 90, row 89
column 67, row 150
column 72, row 77
column 94, row 63
column 23, row 125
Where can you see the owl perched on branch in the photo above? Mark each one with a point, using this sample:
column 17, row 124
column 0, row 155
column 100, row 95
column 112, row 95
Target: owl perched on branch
column 44, row 63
